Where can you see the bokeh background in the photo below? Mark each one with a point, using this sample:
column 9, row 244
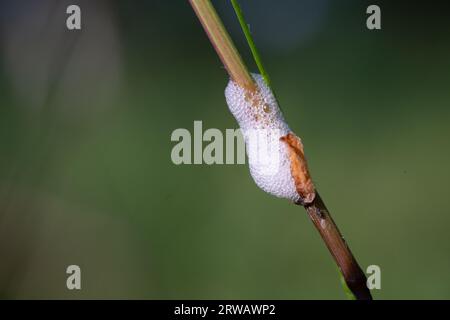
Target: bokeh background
column 86, row 176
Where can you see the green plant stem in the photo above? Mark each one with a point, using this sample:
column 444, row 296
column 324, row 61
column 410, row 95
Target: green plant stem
column 317, row 211
column 251, row 43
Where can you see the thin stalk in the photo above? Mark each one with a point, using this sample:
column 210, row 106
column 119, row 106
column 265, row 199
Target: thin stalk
column 251, row 43
column 317, row 211
column 354, row 277
column 223, row 44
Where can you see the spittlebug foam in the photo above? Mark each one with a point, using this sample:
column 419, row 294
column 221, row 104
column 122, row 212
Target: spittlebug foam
column 275, row 153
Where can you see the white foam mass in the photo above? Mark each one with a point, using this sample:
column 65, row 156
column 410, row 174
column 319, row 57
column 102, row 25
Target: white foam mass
column 262, row 125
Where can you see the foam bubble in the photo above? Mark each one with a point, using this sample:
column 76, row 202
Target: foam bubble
column 262, row 125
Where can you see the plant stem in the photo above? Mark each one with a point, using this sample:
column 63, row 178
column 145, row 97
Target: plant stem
column 222, row 43
column 251, row 43
column 353, row 275
column 317, row 211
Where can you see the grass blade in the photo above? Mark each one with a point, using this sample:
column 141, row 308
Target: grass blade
column 251, row 43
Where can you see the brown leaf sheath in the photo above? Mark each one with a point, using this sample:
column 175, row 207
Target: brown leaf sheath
column 299, row 168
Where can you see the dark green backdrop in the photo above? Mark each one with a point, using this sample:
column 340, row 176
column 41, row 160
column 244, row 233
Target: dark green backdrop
column 86, row 176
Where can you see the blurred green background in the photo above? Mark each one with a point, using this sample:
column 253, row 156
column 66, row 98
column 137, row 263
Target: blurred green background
column 86, row 176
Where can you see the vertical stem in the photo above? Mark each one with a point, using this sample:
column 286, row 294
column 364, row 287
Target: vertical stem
column 222, row 43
